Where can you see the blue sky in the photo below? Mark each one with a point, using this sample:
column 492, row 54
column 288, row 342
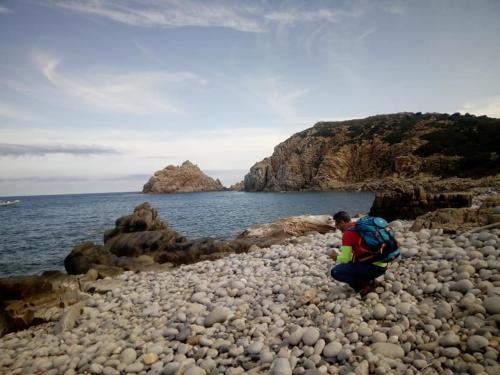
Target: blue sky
column 95, row 95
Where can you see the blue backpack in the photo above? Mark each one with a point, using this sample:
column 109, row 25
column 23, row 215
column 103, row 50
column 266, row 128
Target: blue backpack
column 378, row 243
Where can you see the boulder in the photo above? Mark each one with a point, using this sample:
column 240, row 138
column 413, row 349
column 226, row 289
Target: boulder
column 449, row 219
column 84, row 255
column 413, row 202
column 30, row 300
column 290, row 226
column 142, row 233
column 186, row 178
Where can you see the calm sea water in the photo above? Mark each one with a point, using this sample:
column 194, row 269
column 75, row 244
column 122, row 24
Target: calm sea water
column 37, row 233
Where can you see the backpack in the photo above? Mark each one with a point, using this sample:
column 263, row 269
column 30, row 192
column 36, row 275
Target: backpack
column 377, row 241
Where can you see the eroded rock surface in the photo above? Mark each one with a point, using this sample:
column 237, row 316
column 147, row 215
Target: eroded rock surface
column 380, row 150
column 186, row 178
column 407, row 204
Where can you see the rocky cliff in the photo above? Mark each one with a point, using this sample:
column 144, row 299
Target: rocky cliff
column 333, row 155
column 186, row 178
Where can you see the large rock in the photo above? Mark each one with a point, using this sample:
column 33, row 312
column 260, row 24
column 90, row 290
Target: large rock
column 30, row 300
column 290, row 226
column 410, row 203
column 186, row 178
column 85, row 255
column 141, row 241
column 449, row 219
column 135, row 235
column 333, row 155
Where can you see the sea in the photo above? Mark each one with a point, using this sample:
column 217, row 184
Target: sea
column 38, row 232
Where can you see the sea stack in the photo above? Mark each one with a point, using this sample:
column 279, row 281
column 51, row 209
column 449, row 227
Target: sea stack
column 186, row 178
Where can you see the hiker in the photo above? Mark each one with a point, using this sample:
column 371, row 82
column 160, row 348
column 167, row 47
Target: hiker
column 357, row 265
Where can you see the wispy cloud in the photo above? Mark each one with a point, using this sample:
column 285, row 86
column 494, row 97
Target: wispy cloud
column 8, row 149
column 138, row 93
column 4, row 10
column 14, row 112
column 282, row 100
column 169, row 13
column 489, row 108
column 295, row 16
column 38, row 179
column 366, row 33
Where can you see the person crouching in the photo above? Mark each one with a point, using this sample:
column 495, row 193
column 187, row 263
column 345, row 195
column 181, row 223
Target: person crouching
column 359, row 276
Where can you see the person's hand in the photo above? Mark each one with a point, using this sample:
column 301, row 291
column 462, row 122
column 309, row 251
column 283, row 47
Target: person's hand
column 333, row 255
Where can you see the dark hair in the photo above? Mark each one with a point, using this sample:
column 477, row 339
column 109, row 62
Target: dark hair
column 342, row 216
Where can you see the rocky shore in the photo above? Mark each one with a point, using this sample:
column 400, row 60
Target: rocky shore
column 277, row 311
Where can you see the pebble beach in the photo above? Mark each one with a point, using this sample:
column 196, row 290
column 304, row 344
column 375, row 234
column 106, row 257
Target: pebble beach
column 277, row 311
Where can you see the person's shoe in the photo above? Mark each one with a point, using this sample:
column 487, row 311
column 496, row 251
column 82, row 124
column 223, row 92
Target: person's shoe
column 370, row 287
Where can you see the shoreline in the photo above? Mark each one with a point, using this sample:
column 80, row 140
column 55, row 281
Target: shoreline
column 276, row 309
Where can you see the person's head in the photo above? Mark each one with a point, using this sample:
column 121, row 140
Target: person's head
column 342, row 220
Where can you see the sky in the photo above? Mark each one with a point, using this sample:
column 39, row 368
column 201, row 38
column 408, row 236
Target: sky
column 96, row 95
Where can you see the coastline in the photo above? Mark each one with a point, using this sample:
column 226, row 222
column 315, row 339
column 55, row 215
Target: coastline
column 276, row 309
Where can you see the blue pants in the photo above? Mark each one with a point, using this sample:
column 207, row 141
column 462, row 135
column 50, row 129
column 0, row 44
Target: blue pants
column 357, row 275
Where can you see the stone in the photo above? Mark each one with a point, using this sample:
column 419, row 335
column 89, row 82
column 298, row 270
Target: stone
column 477, row 343
column 217, row 315
column 150, row 358
column 379, row 311
column 194, row 370
column 492, row 305
column 296, row 336
column 128, row 356
column 96, row 368
column 387, row 350
column 449, row 339
column 134, row 367
column 450, row 352
column 443, row 310
column 69, row 317
column 281, row 366
column 462, row 286
column 255, row 347
column 311, row 335
column 332, row 349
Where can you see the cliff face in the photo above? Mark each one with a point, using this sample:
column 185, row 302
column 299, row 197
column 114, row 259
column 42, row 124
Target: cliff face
column 331, row 155
column 186, row 178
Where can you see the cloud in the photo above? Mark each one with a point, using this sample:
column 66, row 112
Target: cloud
column 38, row 179
column 489, row 108
column 4, row 10
column 138, row 93
column 366, row 33
column 295, row 16
column 282, row 100
column 15, row 113
column 7, row 149
column 169, row 13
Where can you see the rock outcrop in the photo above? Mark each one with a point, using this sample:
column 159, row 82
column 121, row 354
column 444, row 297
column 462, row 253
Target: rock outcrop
column 291, row 226
column 142, row 241
column 30, row 300
column 239, row 186
column 142, row 233
column 410, row 203
column 453, row 220
column 389, row 148
column 186, row 178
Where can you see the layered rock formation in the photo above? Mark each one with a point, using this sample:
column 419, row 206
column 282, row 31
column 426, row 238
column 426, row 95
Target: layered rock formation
column 335, row 155
column 410, row 203
column 186, row 178
column 142, row 241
